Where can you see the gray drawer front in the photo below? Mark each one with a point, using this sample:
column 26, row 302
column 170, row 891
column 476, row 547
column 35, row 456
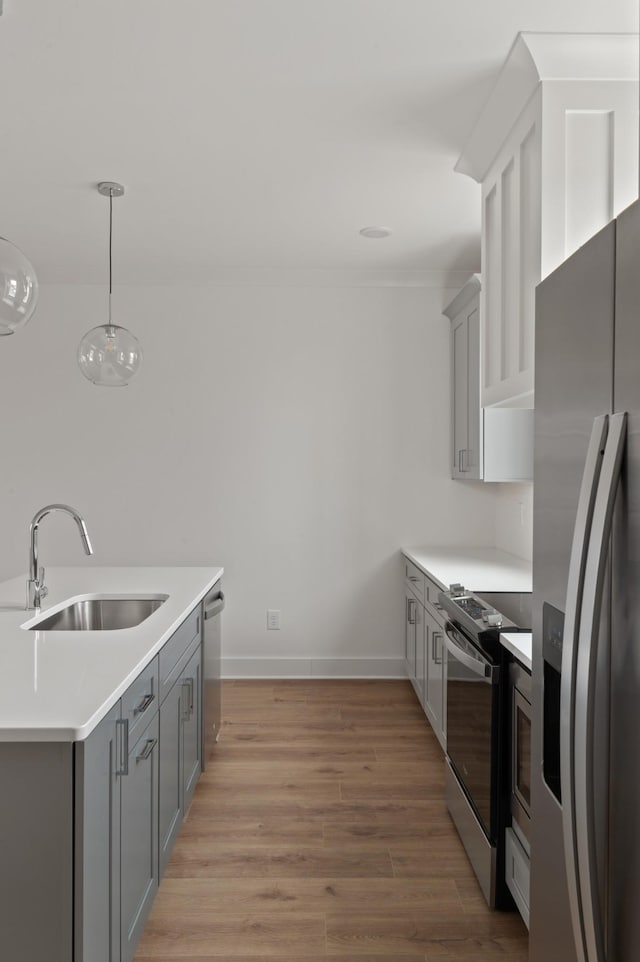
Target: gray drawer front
column 140, row 700
column 431, row 591
column 177, row 645
column 414, row 579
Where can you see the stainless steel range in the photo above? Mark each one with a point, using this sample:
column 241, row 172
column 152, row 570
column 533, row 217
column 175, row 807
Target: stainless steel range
column 477, row 788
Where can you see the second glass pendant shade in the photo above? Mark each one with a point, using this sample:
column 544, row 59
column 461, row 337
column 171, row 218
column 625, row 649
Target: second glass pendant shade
column 109, row 355
column 18, row 288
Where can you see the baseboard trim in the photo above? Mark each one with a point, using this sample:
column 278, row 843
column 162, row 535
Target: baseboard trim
column 313, row 668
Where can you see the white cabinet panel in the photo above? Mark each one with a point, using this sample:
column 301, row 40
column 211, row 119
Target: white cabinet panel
column 556, row 152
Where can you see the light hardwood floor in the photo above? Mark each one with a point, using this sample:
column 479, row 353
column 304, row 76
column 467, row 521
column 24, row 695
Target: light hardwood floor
column 319, row 831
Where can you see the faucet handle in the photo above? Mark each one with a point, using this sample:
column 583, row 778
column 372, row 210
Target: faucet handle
column 43, row 591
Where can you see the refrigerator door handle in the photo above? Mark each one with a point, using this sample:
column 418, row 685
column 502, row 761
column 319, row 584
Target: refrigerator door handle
column 581, row 536
column 585, row 690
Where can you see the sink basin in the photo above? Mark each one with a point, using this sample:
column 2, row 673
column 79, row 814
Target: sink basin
column 100, row 614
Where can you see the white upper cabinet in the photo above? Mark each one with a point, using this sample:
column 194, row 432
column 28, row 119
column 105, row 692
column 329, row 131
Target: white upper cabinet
column 488, row 444
column 556, row 152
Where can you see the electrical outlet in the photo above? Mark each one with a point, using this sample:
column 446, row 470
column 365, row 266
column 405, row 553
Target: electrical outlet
column 273, row 619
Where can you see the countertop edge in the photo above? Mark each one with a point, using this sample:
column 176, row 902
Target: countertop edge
column 71, row 734
column 519, row 645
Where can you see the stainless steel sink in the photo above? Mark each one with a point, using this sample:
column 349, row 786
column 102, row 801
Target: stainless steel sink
column 101, row 614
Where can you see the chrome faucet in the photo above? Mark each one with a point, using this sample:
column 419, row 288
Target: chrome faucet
column 36, row 589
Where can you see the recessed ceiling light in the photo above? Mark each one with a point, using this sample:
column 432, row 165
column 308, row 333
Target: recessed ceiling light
column 375, row 232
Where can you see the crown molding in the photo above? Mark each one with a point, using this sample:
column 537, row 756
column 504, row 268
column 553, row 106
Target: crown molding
column 463, row 297
column 313, row 278
column 533, row 59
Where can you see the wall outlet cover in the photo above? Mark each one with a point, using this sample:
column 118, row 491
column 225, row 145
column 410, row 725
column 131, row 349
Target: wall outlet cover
column 273, row 619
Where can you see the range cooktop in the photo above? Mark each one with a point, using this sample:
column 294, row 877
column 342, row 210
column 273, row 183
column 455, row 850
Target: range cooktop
column 483, row 615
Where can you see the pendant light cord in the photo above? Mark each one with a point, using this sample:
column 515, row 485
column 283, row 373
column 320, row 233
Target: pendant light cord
column 110, row 245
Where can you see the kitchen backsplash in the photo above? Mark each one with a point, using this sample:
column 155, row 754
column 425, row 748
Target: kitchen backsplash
column 514, row 519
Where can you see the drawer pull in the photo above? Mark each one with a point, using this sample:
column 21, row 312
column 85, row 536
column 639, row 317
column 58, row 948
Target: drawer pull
column 144, row 704
column 146, row 751
column 413, row 578
column 122, row 726
column 188, row 684
column 411, row 611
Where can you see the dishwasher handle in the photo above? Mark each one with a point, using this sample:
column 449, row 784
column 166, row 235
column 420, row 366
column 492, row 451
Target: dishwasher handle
column 216, row 606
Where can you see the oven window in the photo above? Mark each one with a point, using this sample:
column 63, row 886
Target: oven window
column 469, row 735
column 522, row 760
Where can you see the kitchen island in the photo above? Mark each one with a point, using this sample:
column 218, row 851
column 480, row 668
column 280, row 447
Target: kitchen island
column 100, row 751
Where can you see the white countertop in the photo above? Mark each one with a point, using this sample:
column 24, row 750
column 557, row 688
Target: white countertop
column 519, row 644
column 478, row 569
column 57, row 685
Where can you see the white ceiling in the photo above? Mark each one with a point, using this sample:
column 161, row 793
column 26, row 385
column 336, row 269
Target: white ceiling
column 253, row 133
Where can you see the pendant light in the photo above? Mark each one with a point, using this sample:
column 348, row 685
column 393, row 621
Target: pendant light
column 109, row 355
column 18, row 288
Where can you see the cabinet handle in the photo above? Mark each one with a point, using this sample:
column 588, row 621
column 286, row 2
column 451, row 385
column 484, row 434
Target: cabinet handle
column 215, row 607
column 434, row 648
column 188, row 683
column 413, row 578
column 144, row 704
column 122, row 725
column 150, row 744
column 410, row 619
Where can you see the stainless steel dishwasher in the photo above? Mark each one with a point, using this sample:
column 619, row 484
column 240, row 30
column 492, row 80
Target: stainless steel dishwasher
column 212, row 607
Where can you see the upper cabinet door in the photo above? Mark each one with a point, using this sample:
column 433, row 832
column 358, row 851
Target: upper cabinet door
column 460, row 367
column 466, row 415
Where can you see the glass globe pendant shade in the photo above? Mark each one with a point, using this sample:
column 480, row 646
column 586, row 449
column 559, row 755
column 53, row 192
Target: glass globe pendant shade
column 18, row 288
column 109, row 356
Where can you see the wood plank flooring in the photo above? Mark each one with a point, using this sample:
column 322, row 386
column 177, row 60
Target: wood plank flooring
column 319, row 831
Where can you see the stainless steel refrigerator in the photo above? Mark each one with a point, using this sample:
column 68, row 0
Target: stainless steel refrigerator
column 585, row 845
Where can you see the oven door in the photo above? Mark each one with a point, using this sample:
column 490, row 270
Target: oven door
column 472, row 724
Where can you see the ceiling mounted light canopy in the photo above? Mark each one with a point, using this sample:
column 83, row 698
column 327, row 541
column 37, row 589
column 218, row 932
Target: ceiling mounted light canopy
column 109, row 355
column 375, row 233
column 18, row 288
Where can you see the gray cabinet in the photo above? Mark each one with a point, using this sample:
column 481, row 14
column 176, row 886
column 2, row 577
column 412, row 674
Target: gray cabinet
column 92, row 815
column 491, row 443
column 191, row 725
column 466, row 447
column 170, row 794
column 180, row 748
column 435, row 687
column 116, row 828
column 138, row 837
column 410, row 615
column 97, row 842
column 425, row 663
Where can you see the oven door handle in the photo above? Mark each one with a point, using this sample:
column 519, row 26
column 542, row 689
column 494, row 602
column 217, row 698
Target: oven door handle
column 478, row 666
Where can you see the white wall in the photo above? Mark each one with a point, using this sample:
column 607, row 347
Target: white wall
column 297, row 436
column 514, row 519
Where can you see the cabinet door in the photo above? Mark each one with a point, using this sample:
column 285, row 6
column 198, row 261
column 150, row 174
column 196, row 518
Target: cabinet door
column 191, row 725
column 170, row 807
column 465, row 395
column 434, row 700
column 472, row 461
column 97, row 844
column 421, row 663
column 460, row 391
column 138, row 838
column 410, row 608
